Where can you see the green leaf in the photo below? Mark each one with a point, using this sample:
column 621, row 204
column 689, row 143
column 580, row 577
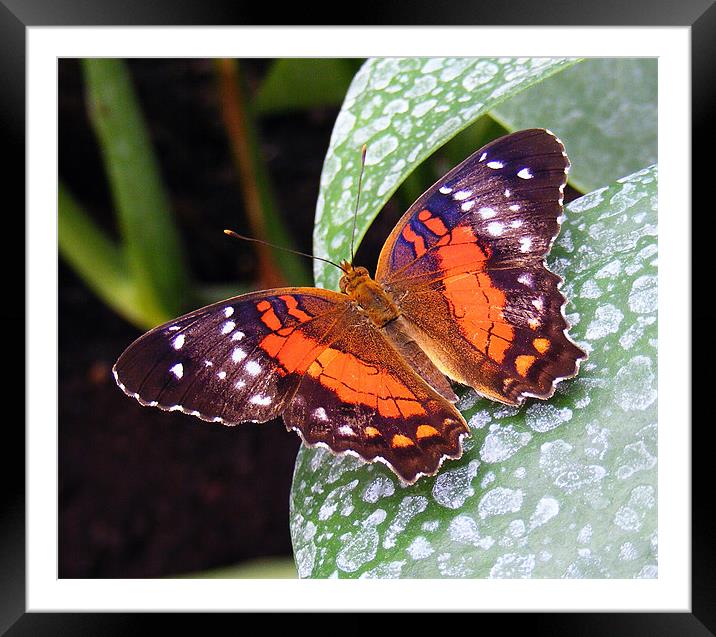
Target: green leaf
column 151, row 242
column 296, row 83
column 604, row 110
column 562, row 488
column 404, row 109
column 96, row 258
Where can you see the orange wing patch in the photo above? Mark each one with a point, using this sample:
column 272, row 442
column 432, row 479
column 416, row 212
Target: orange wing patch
column 523, row 364
column 541, row 344
column 475, row 302
column 417, row 241
column 356, row 382
column 292, row 308
column 292, row 352
column 399, row 440
column 426, row 431
column 371, row 432
column 432, row 223
column 268, row 316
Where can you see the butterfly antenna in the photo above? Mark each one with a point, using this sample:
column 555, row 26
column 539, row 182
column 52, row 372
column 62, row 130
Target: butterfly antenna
column 355, row 213
column 236, row 235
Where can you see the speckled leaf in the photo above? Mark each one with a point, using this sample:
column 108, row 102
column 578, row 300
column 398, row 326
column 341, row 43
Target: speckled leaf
column 605, row 111
column 563, row 488
column 404, row 109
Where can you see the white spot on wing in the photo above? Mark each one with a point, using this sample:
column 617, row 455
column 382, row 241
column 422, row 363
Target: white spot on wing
column 487, row 213
column 179, row 341
column 253, row 368
column 514, row 207
column 495, row 164
column 461, row 195
column 238, row 355
column 445, row 190
column 525, row 244
column 258, row 399
column 525, row 279
column 467, row 205
column 237, row 336
column 173, row 328
column 222, row 374
column 177, row 370
column 495, row 228
column 320, row 414
column 228, row 327
column 525, row 174
column 482, row 157
column 228, row 311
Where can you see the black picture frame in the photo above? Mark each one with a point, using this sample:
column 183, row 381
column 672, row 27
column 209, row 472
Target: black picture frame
column 17, row 15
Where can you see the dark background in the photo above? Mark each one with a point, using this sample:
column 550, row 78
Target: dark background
column 144, row 493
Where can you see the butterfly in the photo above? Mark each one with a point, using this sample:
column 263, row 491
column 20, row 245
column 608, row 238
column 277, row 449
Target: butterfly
column 461, row 293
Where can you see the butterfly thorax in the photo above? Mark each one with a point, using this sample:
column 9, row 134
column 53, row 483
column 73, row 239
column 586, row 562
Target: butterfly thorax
column 370, row 295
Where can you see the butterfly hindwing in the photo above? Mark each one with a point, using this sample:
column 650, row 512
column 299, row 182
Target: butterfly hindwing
column 503, row 335
column 466, row 265
column 361, row 396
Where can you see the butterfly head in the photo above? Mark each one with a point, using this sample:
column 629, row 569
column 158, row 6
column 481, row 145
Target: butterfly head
column 353, row 277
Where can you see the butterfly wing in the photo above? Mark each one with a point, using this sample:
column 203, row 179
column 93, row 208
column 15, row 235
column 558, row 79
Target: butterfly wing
column 360, row 396
column 228, row 362
column 308, row 354
column 466, row 266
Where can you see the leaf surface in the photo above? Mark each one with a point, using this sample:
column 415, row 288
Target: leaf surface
column 563, row 488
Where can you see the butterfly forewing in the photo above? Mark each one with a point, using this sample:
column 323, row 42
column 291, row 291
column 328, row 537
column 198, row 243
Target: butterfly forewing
column 506, row 198
column 233, row 361
column 467, row 262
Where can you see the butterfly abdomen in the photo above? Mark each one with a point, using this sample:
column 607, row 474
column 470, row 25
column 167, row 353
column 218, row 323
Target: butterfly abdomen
column 398, row 333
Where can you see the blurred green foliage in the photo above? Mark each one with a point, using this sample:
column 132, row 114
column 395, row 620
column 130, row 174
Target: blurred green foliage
column 144, row 276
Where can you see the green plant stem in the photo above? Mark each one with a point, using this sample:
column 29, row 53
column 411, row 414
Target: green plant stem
column 276, row 267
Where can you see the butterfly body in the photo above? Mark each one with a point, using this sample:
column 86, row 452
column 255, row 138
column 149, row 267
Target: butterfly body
column 384, row 313
column 357, row 284
column 461, row 292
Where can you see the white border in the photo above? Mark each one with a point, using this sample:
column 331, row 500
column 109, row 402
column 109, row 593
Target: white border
column 670, row 592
